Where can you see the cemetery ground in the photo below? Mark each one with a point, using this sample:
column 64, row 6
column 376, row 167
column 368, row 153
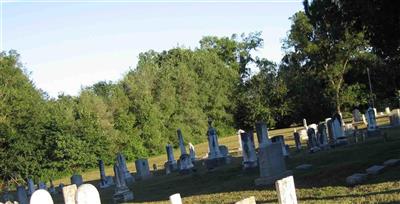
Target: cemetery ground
column 323, row 183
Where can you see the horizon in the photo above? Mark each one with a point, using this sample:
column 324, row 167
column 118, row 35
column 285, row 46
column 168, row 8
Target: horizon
column 102, row 40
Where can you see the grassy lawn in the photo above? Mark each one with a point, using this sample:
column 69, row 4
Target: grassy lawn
column 324, row 183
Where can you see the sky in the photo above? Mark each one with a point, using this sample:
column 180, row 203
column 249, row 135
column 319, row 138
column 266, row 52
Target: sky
column 67, row 45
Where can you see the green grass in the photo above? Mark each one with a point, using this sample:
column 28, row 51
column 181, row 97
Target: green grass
column 324, row 183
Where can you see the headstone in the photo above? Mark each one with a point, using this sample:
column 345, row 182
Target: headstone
column 122, row 163
column 371, row 118
column 31, row 187
column 87, row 194
column 175, row 199
column 215, row 157
column 192, row 152
column 248, row 151
column 322, row 136
column 185, row 161
column 364, row 119
column 387, row 111
column 122, row 192
column 52, row 189
column 105, row 181
column 395, row 117
column 171, row 164
column 338, row 135
column 7, row 196
column 239, row 132
column 375, row 169
column 249, row 200
column 280, row 139
column 314, row 126
column 375, row 112
column 272, row 164
column 22, row 196
column 305, row 124
column 312, row 141
column 286, row 190
column 42, row 185
column 262, row 134
column 303, row 134
column 76, row 179
column 60, row 187
column 297, row 140
column 355, row 179
column 357, row 116
column 142, row 169
column 41, row 196
column 69, row 194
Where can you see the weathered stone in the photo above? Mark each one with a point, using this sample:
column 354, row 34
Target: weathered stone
column 142, row 169
column 375, row 169
column 391, row 162
column 185, row 162
column 262, row 134
column 281, row 140
column 248, row 150
column 272, row 164
column 394, row 117
column 304, row 167
column 105, row 181
column 69, row 194
column 192, row 152
column 175, row 199
column 297, row 140
column 31, row 187
column 371, row 118
column 171, row 164
column 217, row 155
column 124, row 168
column 357, row 116
column 22, row 196
column 76, row 179
column 356, row 178
column 41, row 196
column 239, row 132
column 122, row 192
column 42, row 185
column 249, row 200
column 87, row 194
column 338, row 137
column 286, row 190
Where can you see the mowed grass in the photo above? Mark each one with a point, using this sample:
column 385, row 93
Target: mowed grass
column 324, row 183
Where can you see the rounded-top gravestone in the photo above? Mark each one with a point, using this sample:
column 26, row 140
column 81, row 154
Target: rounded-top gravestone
column 87, row 194
column 41, row 196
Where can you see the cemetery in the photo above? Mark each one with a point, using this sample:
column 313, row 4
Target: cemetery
column 302, row 175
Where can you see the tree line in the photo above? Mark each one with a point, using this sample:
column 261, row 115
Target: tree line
column 328, row 49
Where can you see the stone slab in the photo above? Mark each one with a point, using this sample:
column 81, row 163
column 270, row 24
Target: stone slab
column 356, row 178
column 264, row 181
column 286, row 190
column 304, row 167
column 249, row 200
column 391, row 162
column 69, row 194
column 375, row 169
column 175, row 199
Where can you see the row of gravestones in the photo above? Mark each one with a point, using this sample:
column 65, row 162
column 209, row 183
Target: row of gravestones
column 285, row 189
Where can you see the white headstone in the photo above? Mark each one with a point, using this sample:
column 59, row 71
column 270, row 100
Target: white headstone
column 387, row 110
column 69, row 194
column 371, row 118
column 175, row 199
column 87, row 194
column 240, row 131
column 41, row 196
column 286, row 190
column 249, row 200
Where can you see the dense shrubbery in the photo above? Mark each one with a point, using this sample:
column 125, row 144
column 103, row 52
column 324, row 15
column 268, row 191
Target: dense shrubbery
column 323, row 71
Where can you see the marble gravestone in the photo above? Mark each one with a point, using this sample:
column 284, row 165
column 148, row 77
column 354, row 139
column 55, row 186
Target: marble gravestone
column 31, row 187
column 105, row 181
column 76, row 179
column 262, row 134
column 122, row 164
column 322, row 136
column 122, row 192
column 313, row 144
column 371, row 119
column 42, row 185
column 22, row 196
column 387, row 111
column 338, row 137
column 272, row 164
column 248, row 150
column 185, row 162
column 215, row 157
column 281, row 140
column 171, row 164
column 297, row 140
column 286, row 190
column 239, row 132
column 175, row 199
column 192, row 152
column 142, row 169
column 87, row 194
column 357, row 116
column 305, row 124
column 41, row 196
column 395, row 117
column 69, row 194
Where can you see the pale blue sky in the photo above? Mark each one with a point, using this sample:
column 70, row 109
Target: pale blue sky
column 69, row 45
